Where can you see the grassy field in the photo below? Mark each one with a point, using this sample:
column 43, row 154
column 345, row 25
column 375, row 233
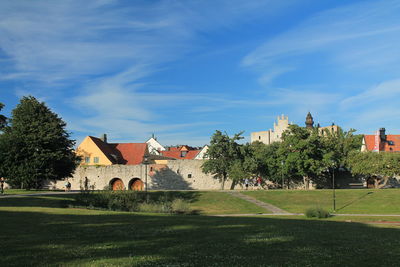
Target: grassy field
column 25, row 192
column 356, row 201
column 223, row 203
column 35, row 231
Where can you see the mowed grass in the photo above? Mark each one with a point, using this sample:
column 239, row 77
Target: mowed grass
column 25, row 192
column 223, row 203
column 348, row 201
column 36, row 232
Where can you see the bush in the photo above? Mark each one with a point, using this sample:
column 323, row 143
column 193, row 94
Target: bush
column 132, row 201
column 317, row 213
column 180, row 206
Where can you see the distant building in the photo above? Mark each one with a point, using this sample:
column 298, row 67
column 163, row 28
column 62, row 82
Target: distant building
column 185, row 152
column 97, row 151
column 322, row 130
column 154, row 146
column 381, row 142
column 275, row 135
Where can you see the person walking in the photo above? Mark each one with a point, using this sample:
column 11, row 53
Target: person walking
column 2, row 180
column 246, row 183
column 259, row 182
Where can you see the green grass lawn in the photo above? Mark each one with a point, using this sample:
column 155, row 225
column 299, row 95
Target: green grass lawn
column 359, row 201
column 223, row 203
column 36, row 232
column 25, row 192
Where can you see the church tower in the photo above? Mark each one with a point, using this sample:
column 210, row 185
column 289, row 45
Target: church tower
column 309, row 121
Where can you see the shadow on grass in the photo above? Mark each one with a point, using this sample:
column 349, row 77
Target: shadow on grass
column 79, row 237
column 354, row 201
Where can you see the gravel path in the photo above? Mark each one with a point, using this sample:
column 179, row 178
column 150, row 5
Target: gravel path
column 269, row 207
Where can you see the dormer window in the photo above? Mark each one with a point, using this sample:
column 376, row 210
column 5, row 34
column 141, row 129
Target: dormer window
column 390, row 143
column 183, row 154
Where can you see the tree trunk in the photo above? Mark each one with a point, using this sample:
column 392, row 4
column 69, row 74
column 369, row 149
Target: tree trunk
column 378, row 184
column 233, row 185
column 306, row 182
column 223, row 181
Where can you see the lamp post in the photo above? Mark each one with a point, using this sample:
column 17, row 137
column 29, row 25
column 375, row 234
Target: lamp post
column 146, row 162
column 333, row 187
column 282, row 175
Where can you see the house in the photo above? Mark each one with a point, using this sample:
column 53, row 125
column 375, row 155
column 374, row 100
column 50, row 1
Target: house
column 154, row 146
column 185, row 152
column 97, row 151
column 381, row 142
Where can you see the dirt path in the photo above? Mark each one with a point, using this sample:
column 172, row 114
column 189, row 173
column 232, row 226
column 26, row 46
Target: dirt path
column 268, row 207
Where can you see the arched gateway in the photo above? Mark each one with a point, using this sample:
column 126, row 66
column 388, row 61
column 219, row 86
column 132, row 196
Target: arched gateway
column 117, row 184
column 136, row 184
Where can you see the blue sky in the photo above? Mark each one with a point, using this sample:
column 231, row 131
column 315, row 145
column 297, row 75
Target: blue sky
column 183, row 69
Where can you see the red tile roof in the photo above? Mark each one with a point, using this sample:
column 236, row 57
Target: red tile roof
column 130, row 153
column 191, row 154
column 383, row 145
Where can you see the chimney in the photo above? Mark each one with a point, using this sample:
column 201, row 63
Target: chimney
column 382, row 134
column 103, row 138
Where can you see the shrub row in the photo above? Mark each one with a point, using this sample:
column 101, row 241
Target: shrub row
column 317, row 213
column 132, row 201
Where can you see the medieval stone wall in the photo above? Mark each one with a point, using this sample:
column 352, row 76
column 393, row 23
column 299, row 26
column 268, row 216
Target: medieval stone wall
column 178, row 175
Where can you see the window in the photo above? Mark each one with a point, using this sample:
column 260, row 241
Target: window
column 96, row 160
column 183, row 154
column 391, row 143
column 87, row 159
column 189, row 175
column 151, row 169
column 259, row 138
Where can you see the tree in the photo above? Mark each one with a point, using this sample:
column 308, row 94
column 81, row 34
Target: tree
column 223, row 152
column 302, row 152
column 35, row 146
column 338, row 144
column 379, row 167
column 3, row 119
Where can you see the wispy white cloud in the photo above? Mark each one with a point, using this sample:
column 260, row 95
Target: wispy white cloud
column 363, row 35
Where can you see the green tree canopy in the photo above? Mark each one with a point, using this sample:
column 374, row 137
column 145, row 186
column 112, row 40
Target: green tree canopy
column 302, row 152
column 35, row 146
column 223, row 153
column 3, row 119
column 377, row 166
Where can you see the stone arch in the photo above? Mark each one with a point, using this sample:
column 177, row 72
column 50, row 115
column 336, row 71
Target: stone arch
column 136, row 184
column 117, row 184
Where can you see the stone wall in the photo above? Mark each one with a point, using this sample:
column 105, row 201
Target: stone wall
column 178, row 175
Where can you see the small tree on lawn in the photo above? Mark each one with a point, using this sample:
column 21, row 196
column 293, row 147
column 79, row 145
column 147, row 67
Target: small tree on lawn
column 223, row 152
column 36, row 147
column 377, row 166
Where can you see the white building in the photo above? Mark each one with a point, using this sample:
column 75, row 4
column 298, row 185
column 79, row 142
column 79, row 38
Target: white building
column 275, row 135
column 154, row 146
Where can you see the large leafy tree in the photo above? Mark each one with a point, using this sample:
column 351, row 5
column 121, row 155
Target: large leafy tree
column 379, row 167
column 35, row 146
column 223, row 153
column 338, row 144
column 3, row 119
column 302, row 152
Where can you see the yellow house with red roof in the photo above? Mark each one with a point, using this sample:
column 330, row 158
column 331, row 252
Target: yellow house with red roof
column 97, row 151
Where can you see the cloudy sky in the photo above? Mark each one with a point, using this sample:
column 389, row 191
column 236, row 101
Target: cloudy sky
column 183, row 69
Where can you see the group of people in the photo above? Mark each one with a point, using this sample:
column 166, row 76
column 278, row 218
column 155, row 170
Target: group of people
column 256, row 183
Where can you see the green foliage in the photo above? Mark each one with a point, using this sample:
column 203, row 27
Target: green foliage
column 339, row 144
column 378, row 166
column 35, row 147
column 302, row 153
column 222, row 153
column 3, row 119
column 132, row 201
column 317, row 213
